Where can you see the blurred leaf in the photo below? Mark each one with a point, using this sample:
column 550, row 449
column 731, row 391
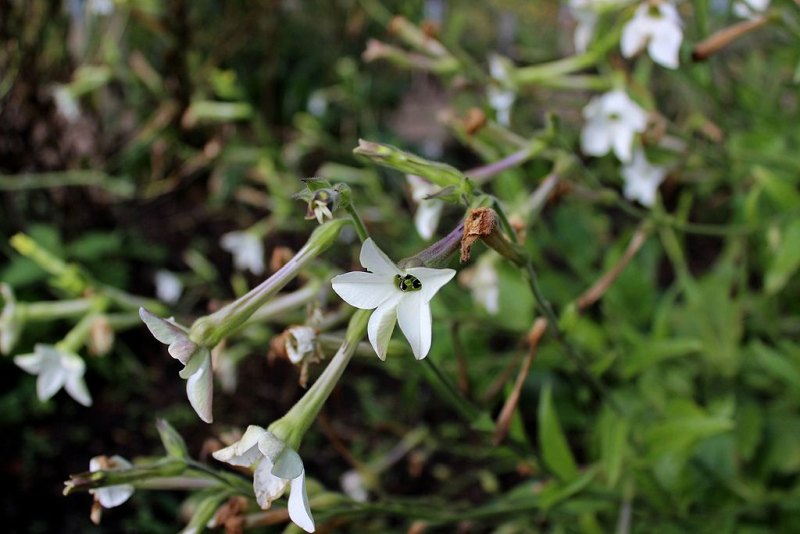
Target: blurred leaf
column 786, row 260
column 613, row 444
column 555, row 451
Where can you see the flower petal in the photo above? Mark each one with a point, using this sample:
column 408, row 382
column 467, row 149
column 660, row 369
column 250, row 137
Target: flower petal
column 595, row 138
column 164, row 331
column 112, row 496
column 30, row 363
column 364, row 290
column 267, row 486
column 76, row 388
column 374, row 259
column 245, row 451
column 200, row 387
column 288, row 464
column 50, row 380
column 414, row 316
column 299, row 510
column 426, row 219
column 432, row 279
column 664, row 47
column 381, row 325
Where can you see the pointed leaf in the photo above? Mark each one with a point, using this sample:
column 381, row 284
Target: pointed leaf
column 555, row 451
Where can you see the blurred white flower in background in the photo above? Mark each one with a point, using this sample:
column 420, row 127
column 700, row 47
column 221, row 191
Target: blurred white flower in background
column 500, row 94
column 168, row 286
column 247, row 250
column 612, row 121
column 429, row 210
column 656, row 26
column 585, row 13
column 642, row 179
column 56, row 368
column 483, row 281
column 66, row 103
column 750, row 9
column 353, row 486
column 300, row 343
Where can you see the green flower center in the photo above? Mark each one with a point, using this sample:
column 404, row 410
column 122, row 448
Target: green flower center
column 407, row 283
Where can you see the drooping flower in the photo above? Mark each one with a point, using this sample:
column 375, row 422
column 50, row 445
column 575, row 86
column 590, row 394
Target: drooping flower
column 642, row 179
column 301, row 343
column 750, row 9
column 656, row 26
column 397, row 295
column 111, row 496
column 56, row 368
column 612, row 121
column 247, row 250
column 168, row 286
column 429, row 210
column 197, row 370
column 276, row 466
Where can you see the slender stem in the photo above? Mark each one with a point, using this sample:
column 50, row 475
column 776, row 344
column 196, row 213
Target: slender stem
column 446, row 389
column 57, row 309
column 361, row 229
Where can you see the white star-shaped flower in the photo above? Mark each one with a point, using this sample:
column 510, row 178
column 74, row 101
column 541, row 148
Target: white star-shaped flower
column 612, row 121
column 398, row 296
column 276, row 466
column 111, row 496
column 642, row 179
column 656, row 26
column 168, row 286
column 750, row 9
column 429, row 210
column 247, row 250
column 56, row 368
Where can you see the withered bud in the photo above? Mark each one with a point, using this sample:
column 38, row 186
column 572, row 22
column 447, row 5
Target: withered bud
column 280, row 256
column 101, row 337
column 481, row 223
column 474, row 120
column 719, row 40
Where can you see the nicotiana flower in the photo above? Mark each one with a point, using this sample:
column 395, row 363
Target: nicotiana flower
column 483, row 282
column 642, row 179
column 749, row 9
column 500, row 94
column 585, row 13
column 301, row 343
column 429, row 210
column 396, row 295
column 111, row 496
column 247, row 250
column 656, row 26
column 168, row 286
column 612, row 121
column 276, row 466
column 353, row 486
column 197, row 369
column 56, row 368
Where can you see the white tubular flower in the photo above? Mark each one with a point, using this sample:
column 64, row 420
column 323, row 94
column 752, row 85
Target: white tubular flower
column 612, row 121
column 642, row 179
column 501, row 96
column 247, row 250
column 301, row 343
column 429, row 210
column 56, row 369
column 168, row 286
column 750, row 9
column 276, row 466
column 111, row 496
column 657, row 27
column 483, row 282
column 396, row 295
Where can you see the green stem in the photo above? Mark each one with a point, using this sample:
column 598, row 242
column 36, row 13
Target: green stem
column 57, row 309
column 361, row 229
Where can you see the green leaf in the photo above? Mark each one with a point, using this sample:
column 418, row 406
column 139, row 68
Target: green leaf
column 555, row 451
column 556, row 493
column 786, row 260
column 172, row 441
column 613, row 444
column 203, row 511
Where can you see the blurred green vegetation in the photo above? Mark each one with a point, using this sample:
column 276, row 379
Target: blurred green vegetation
column 132, row 141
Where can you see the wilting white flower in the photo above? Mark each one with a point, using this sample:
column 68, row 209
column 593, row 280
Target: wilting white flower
column 247, row 250
column 111, row 496
column 276, row 466
column 642, row 179
column 10, row 321
column 56, row 368
column 500, row 94
column 398, row 296
column 585, row 13
column 66, row 103
column 749, row 9
column 321, row 211
column 197, row 370
column 429, row 210
column 168, row 286
column 657, row 27
column 483, row 282
column 300, row 343
column 612, row 121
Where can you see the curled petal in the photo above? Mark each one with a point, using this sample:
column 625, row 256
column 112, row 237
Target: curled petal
column 364, row 290
column 299, row 510
column 381, row 325
column 414, row 316
column 267, row 486
column 200, row 386
column 375, row 260
column 245, row 451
